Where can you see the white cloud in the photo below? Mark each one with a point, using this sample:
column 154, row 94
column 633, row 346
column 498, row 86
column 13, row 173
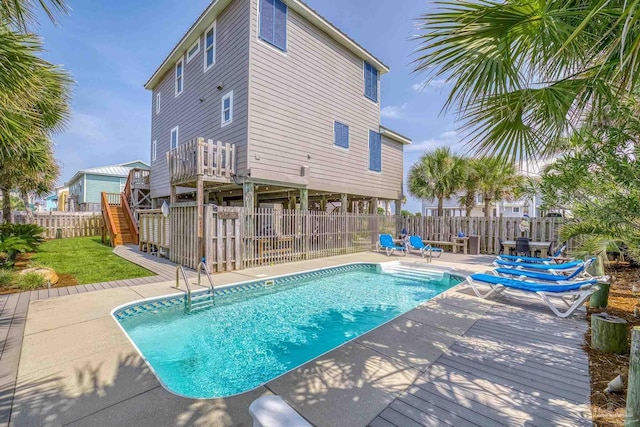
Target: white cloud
column 426, row 84
column 447, row 139
column 393, row 111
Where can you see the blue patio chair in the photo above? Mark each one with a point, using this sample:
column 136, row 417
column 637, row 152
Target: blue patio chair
column 573, row 294
column 386, row 242
column 579, row 273
column 415, row 242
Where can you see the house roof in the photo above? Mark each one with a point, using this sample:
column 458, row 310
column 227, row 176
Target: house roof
column 120, row 170
column 217, row 6
column 394, row 135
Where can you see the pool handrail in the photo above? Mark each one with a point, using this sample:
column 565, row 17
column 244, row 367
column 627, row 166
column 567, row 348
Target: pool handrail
column 180, row 269
column 202, row 266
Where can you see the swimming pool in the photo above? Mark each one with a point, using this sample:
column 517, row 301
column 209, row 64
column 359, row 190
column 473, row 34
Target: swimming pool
column 255, row 333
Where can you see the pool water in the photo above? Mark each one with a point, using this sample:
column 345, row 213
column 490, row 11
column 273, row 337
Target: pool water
column 254, row 335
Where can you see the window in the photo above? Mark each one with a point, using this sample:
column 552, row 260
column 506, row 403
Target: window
column 340, row 135
column 226, row 114
column 210, row 47
column 158, row 104
column 370, row 82
column 375, row 151
column 273, row 23
column 179, row 76
column 154, row 150
column 516, row 210
column 193, row 51
column 174, row 138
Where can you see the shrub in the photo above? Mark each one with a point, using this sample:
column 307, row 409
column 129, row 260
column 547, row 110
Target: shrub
column 29, row 233
column 6, row 278
column 11, row 246
column 30, row 281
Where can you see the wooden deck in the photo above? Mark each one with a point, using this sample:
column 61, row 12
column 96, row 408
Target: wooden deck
column 510, row 368
column 13, row 313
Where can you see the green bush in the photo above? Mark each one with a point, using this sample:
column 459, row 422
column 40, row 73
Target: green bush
column 30, row 281
column 29, row 233
column 10, row 246
column 6, row 278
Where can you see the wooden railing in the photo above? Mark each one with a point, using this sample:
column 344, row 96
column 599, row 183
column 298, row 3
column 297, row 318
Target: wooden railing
column 109, row 224
column 210, row 159
column 112, row 198
column 131, row 222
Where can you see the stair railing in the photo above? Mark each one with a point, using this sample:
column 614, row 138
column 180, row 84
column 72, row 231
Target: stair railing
column 203, row 266
column 180, row 269
column 109, row 223
column 131, row 222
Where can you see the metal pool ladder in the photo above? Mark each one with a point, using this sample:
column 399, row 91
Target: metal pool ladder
column 201, row 300
column 180, row 269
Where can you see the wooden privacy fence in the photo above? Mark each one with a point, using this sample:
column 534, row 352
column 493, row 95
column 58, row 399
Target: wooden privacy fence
column 65, row 224
column 154, row 231
column 489, row 230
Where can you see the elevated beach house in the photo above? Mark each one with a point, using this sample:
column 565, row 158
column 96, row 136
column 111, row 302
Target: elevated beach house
column 86, row 185
column 265, row 103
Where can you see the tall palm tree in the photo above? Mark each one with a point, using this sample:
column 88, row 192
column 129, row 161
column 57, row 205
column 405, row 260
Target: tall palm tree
column 20, row 13
column 437, row 175
column 470, row 185
column 498, row 180
column 524, row 73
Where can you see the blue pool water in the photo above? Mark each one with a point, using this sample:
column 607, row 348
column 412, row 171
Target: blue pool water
column 254, row 334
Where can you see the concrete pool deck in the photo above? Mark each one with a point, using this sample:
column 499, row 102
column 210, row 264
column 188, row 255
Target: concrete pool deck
column 455, row 360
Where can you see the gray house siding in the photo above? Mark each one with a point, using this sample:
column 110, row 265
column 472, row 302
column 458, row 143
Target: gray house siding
column 196, row 111
column 295, row 98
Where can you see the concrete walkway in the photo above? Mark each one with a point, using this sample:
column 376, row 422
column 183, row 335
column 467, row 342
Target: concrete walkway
column 456, row 360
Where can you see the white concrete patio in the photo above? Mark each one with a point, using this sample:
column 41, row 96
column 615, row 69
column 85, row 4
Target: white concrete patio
column 455, row 360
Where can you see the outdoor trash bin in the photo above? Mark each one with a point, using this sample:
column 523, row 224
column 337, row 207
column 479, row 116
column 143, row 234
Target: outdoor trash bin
column 474, row 245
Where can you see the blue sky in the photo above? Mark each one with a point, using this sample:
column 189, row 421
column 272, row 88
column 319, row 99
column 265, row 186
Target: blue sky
column 112, row 47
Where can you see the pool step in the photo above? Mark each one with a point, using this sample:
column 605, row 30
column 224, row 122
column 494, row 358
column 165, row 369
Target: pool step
column 412, row 273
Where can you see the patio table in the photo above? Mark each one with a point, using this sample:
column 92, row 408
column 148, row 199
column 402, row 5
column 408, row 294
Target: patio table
column 542, row 246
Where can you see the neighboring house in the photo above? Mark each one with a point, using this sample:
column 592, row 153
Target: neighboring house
column 452, row 207
column 297, row 100
column 86, row 185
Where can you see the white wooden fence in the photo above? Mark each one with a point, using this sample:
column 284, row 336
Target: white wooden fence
column 235, row 239
column 153, row 227
column 65, row 224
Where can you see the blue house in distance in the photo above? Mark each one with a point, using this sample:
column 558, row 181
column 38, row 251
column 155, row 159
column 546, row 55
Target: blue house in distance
column 86, row 185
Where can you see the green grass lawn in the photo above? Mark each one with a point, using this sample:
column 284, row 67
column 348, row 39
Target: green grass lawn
column 87, row 259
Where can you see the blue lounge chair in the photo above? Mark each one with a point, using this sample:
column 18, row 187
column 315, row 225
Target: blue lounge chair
column 573, row 294
column 515, row 273
column 558, row 269
column 386, row 242
column 415, row 242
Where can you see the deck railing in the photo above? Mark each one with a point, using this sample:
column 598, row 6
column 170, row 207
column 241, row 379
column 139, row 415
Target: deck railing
column 109, row 223
column 210, row 159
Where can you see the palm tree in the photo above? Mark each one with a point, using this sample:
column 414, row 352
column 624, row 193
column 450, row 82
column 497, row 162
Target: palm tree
column 20, row 13
column 524, row 73
column 498, row 180
column 470, row 185
column 437, row 175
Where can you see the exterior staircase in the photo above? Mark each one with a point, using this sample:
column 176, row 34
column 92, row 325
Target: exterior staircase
column 123, row 233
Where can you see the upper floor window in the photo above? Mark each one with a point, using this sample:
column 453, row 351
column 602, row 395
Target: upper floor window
column 210, row 47
column 340, row 134
column 179, row 76
column 370, row 82
column 375, row 151
column 174, row 138
column 226, row 115
column 154, row 150
column 516, row 209
column 273, row 23
column 193, row 51
column 158, row 103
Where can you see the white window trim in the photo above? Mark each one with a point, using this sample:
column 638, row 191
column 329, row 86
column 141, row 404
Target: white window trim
column 266, row 43
column 364, row 83
column 190, row 56
column 230, row 97
column 334, row 136
column 154, row 151
column 158, row 102
column 175, row 76
column 215, row 44
column 513, row 209
column 171, row 147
